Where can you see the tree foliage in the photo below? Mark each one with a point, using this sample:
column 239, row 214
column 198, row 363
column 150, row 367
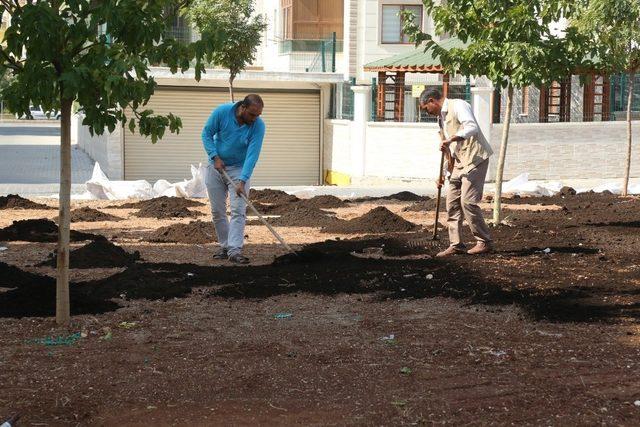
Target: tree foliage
column 241, row 27
column 56, row 50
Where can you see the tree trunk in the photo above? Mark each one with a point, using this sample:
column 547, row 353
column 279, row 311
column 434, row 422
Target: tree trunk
column 627, row 169
column 231, row 79
column 497, row 198
column 63, row 312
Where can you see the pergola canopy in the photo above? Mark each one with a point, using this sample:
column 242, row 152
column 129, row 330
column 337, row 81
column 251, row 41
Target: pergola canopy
column 415, row 61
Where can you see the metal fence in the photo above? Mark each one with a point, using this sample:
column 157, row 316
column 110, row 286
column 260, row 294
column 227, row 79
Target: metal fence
column 312, row 55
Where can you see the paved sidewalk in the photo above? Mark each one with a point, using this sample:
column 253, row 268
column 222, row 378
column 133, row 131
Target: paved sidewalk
column 30, row 160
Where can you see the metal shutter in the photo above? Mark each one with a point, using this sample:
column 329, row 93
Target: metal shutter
column 290, row 153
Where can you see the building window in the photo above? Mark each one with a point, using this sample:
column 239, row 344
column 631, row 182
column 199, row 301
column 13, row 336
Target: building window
column 287, row 19
column 555, row 101
column 391, row 23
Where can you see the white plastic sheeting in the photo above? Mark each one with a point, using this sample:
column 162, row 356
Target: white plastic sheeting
column 101, row 187
column 522, row 186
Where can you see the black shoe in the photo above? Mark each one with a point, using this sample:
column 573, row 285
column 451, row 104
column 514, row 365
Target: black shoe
column 239, row 259
column 221, row 254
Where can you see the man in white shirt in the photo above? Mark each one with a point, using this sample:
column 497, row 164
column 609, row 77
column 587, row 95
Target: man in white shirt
column 470, row 154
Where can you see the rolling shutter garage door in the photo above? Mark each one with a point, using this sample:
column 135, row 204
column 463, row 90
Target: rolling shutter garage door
column 290, row 152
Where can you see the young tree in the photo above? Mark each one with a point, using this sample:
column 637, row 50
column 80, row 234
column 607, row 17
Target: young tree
column 58, row 52
column 242, row 31
column 614, row 28
column 512, row 42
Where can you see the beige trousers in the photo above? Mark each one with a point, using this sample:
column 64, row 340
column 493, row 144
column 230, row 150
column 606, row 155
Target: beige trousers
column 463, row 195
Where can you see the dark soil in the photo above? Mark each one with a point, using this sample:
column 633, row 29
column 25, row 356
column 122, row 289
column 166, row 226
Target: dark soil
column 162, row 201
column 167, row 210
column 325, row 201
column 567, row 191
column 38, row 230
column 377, row 220
column 403, row 196
column 426, row 205
column 87, row 214
column 100, row 253
column 299, row 216
column 271, row 196
column 195, row 232
column 14, row 201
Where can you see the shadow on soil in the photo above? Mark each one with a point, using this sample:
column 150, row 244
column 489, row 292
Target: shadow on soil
column 326, row 268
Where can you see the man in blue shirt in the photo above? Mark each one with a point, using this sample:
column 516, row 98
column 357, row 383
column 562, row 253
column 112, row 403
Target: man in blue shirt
column 232, row 138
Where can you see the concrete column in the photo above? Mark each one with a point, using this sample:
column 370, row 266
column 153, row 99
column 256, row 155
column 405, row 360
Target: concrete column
column 361, row 115
column 481, row 103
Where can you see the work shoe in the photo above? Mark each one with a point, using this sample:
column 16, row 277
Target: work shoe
column 239, row 259
column 451, row 250
column 221, row 254
column 481, row 248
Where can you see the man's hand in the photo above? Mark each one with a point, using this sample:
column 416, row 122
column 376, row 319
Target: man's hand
column 440, row 182
column 240, row 188
column 444, row 145
column 218, row 163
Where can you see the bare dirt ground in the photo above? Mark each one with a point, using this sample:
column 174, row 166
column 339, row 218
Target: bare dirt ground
column 544, row 331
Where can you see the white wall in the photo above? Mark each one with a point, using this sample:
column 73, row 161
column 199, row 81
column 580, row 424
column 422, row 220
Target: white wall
column 393, row 152
column 557, row 151
column 106, row 149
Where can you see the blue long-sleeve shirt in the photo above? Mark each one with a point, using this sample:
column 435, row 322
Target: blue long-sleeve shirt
column 235, row 145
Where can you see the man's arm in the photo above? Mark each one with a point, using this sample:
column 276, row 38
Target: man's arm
column 253, row 151
column 211, row 128
column 467, row 120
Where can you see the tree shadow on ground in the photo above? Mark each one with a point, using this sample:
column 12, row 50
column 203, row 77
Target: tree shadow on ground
column 326, row 268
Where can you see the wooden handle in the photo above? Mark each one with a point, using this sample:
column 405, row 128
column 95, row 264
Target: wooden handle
column 260, row 217
column 437, row 220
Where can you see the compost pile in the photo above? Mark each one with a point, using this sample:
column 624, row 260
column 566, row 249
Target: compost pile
column 87, row 214
column 199, row 232
column 271, row 196
column 38, row 230
column 403, row 196
column 301, row 216
column 173, row 202
column 14, row 201
column 425, row 205
column 377, row 220
column 100, row 253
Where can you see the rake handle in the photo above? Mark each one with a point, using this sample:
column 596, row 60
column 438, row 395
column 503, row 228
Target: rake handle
column 260, row 217
column 437, row 220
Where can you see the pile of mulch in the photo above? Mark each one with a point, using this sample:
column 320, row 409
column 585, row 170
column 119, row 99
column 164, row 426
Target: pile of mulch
column 168, row 207
column 38, row 230
column 301, row 216
column 100, row 253
column 88, row 214
column 567, row 191
column 377, row 220
column 316, row 202
column 426, row 205
column 14, row 201
column 403, row 196
column 165, row 201
column 200, row 232
column 271, row 196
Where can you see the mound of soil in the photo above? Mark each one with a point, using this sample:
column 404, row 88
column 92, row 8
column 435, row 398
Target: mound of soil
column 166, row 210
column 272, row 196
column 14, row 201
column 403, row 196
column 193, row 232
column 567, row 191
column 100, row 253
column 425, row 206
column 38, row 230
column 172, row 202
column 88, row 214
column 325, row 201
column 377, row 220
column 301, row 216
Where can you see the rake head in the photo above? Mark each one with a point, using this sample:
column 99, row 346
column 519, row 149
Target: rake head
column 426, row 242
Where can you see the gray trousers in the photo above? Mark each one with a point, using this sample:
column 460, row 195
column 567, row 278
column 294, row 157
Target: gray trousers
column 463, row 195
column 230, row 233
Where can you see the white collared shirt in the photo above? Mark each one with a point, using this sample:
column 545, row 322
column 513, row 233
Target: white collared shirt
column 464, row 114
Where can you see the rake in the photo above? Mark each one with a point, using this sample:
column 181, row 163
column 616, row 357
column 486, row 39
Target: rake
column 260, row 217
column 434, row 241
